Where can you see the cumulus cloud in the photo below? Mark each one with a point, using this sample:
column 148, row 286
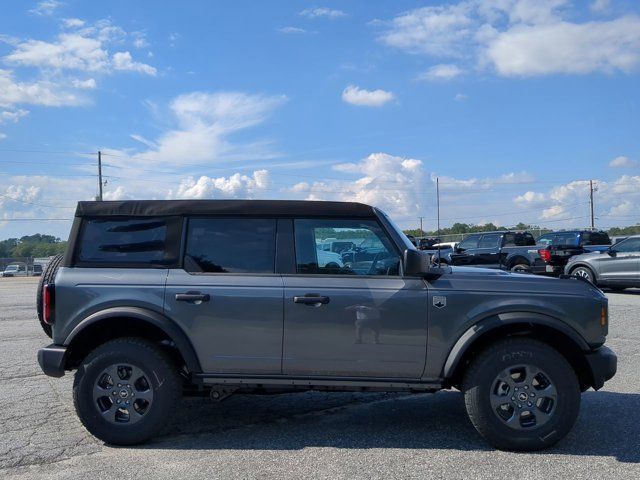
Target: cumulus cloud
column 124, row 62
column 322, row 12
column 441, row 72
column 622, row 162
column 82, row 49
column 366, row 98
column 40, row 92
column 518, row 37
column 234, row 186
column 530, row 197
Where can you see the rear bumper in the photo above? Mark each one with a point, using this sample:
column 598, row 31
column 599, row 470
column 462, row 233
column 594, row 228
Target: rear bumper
column 603, row 363
column 546, row 269
column 51, row 360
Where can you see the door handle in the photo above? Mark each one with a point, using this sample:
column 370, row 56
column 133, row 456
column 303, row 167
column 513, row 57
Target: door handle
column 311, row 300
column 192, row 297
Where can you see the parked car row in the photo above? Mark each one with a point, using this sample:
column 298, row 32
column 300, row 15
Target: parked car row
column 20, row 269
column 588, row 254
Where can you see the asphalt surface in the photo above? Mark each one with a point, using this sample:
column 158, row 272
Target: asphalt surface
column 306, row 435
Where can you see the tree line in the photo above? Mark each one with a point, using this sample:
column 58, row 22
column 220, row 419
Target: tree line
column 37, row 245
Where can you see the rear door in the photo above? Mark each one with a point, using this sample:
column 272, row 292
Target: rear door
column 227, row 295
column 362, row 319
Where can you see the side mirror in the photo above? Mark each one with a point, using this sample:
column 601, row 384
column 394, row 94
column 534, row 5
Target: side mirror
column 612, row 252
column 418, row 264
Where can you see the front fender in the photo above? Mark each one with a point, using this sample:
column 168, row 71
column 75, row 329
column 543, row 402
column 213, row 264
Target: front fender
column 496, row 321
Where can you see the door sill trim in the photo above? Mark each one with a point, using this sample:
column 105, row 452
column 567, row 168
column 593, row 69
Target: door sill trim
column 319, row 381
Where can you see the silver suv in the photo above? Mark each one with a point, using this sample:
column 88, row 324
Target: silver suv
column 155, row 298
column 618, row 267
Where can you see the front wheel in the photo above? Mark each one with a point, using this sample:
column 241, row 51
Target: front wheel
column 521, row 394
column 585, row 273
column 520, row 268
column 125, row 391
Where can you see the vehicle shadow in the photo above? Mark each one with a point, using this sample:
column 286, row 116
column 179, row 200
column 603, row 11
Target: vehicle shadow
column 606, row 425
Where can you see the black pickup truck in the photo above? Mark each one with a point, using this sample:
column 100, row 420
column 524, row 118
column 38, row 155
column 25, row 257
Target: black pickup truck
column 555, row 249
column 506, row 249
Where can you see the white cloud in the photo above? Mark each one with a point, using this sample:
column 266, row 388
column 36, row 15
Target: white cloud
column 46, row 7
column 12, row 115
column 530, row 198
column 234, row 186
column 73, row 23
column 518, row 37
column 123, row 61
column 88, row 84
column 82, row 49
column 292, row 30
column 442, row 72
column 460, row 97
column 567, row 48
column 140, row 39
column 366, row 98
column 3, row 136
column 322, row 12
column 622, row 162
column 41, row 92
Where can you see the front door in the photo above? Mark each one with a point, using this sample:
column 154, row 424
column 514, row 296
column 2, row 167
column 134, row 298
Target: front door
column 227, row 296
column 624, row 265
column 358, row 318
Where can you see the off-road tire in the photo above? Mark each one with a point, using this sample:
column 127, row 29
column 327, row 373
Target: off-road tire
column 486, row 367
column 48, row 275
column 165, row 383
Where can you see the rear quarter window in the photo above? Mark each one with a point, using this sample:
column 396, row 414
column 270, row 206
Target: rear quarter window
column 129, row 242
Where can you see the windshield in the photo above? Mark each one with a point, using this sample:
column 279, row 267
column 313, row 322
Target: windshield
column 407, row 243
column 11, row 268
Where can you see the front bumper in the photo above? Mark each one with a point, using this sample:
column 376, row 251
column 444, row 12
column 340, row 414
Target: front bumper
column 52, row 359
column 603, row 363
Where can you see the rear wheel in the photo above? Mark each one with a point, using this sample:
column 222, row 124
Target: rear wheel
column 126, row 390
column 48, row 275
column 521, row 394
column 520, row 268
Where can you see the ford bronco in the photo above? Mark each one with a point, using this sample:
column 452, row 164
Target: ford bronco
column 155, row 298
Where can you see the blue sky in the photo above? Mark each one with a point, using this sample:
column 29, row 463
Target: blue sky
column 513, row 104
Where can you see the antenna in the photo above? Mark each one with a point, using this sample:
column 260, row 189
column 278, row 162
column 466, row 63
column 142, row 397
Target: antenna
column 438, row 211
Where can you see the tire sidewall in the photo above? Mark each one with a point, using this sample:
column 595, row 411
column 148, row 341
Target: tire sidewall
column 478, row 389
column 158, row 372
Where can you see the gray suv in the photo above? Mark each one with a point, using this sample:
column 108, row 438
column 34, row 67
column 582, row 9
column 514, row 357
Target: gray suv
column 157, row 298
column 618, row 267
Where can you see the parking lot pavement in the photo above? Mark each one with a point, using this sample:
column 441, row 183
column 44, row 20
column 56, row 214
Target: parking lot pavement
column 307, row 435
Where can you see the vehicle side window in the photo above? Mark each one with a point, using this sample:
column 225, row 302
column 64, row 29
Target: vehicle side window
column 545, row 240
column 470, row 242
column 491, row 240
column 598, row 238
column 525, row 240
column 230, row 245
column 509, row 240
column 371, row 253
column 629, row 245
column 566, row 239
column 129, row 241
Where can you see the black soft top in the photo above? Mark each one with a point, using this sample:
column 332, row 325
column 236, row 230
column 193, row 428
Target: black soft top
column 148, row 208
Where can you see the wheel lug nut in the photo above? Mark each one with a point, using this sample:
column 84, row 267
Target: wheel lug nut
column 119, row 384
column 118, row 401
column 526, row 387
column 513, row 399
column 528, row 403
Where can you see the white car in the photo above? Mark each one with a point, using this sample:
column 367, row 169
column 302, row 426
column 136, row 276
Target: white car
column 326, row 258
column 15, row 270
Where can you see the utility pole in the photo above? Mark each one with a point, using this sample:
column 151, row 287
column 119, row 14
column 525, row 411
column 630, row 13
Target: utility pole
column 99, row 175
column 421, row 230
column 593, row 226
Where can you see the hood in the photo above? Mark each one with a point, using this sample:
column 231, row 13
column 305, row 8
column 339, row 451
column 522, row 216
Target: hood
column 500, row 281
column 587, row 256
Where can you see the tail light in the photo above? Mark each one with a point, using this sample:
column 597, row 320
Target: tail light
column 48, row 303
column 545, row 255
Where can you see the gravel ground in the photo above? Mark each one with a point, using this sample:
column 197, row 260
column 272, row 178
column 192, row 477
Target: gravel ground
column 306, row 435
